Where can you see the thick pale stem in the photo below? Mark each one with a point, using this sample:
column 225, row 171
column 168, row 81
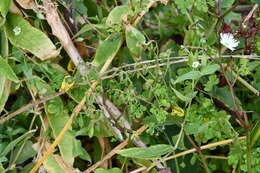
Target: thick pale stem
column 59, row 30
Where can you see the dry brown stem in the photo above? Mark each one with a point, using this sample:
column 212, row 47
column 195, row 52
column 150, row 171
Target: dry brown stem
column 113, row 152
column 59, row 30
column 29, row 106
column 250, row 14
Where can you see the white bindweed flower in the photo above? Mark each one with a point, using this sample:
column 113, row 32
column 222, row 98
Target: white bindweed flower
column 17, row 30
column 195, row 64
column 227, row 39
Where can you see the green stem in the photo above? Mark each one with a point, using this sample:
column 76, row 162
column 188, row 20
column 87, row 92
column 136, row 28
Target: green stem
column 4, row 45
column 222, row 17
column 179, row 137
column 99, row 11
column 177, row 165
column 244, row 82
column 132, row 4
column 189, row 18
column 201, row 156
column 216, row 157
column 248, row 152
column 230, row 9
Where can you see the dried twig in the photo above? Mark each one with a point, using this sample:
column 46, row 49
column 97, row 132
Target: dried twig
column 113, row 152
column 75, row 112
column 51, row 149
column 59, row 30
column 142, row 13
column 108, row 156
column 113, row 114
column 253, row 57
column 29, row 106
column 243, row 8
column 250, row 14
column 101, row 102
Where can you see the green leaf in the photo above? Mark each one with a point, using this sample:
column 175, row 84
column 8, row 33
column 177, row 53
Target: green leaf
column 225, row 96
column 7, row 71
column 57, row 116
column 57, row 119
column 183, row 5
column 92, row 8
column 184, row 98
column 80, row 6
column 89, row 27
column 232, row 17
column 194, row 75
column 213, row 80
column 191, row 128
column 5, row 86
column 2, row 21
column 201, row 5
column 112, row 170
column 25, row 153
column 79, row 151
column 13, row 144
column 23, row 35
column 154, row 151
column 52, row 166
column 255, row 135
column 256, row 1
column 2, row 170
column 118, row 15
column 210, row 69
column 181, row 145
column 227, row 3
column 4, row 7
column 108, row 49
column 134, row 40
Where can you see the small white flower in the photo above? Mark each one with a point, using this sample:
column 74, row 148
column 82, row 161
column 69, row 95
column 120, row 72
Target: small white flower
column 40, row 16
column 195, row 64
column 71, row 20
column 17, row 30
column 227, row 39
column 79, row 39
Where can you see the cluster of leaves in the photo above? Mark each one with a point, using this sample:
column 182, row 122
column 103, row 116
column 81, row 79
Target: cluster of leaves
column 152, row 81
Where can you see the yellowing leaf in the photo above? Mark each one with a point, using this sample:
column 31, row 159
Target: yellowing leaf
column 66, row 85
column 71, row 67
column 178, row 111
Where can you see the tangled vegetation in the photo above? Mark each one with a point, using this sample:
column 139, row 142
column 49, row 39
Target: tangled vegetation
column 113, row 86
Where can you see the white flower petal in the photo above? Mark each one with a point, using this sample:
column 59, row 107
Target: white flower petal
column 227, row 40
column 17, row 30
column 195, row 64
